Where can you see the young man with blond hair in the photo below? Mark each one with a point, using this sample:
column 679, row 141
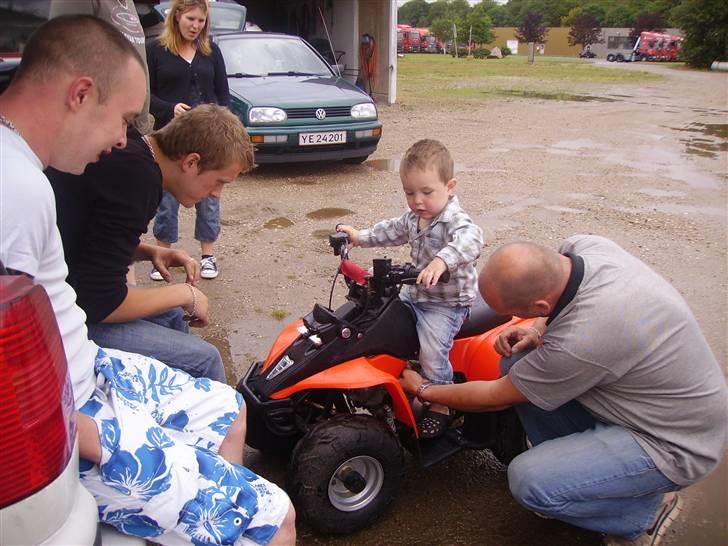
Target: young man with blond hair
column 160, row 451
column 103, row 213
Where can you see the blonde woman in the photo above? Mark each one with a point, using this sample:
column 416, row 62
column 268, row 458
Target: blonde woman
column 186, row 69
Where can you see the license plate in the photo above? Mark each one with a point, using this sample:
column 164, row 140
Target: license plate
column 318, row 139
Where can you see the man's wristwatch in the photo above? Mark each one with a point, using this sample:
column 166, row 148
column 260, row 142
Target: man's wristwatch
column 423, row 386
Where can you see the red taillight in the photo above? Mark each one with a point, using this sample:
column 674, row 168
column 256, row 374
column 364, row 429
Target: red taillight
column 37, row 423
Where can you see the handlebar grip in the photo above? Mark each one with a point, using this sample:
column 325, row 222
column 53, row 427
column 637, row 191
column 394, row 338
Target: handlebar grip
column 409, row 276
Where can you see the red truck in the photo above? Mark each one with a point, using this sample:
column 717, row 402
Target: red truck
column 656, row 46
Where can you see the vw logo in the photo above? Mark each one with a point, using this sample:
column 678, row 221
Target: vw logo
column 320, row 113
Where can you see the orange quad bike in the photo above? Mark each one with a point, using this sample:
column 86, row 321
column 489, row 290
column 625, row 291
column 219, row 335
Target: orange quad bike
column 328, row 396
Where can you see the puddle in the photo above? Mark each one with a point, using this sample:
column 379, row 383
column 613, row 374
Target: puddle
column 220, row 341
column 558, row 208
column 716, row 142
column 392, row 165
column 328, row 213
column 654, row 192
column 659, row 161
column 278, row 223
column 550, row 96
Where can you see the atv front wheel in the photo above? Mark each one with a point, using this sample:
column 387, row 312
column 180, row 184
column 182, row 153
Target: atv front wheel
column 345, row 472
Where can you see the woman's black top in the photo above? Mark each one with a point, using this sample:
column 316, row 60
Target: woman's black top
column 172, row 80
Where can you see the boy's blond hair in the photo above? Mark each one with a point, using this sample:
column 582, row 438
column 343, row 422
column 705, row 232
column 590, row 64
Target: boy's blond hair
column 210, row 130
column 171, row 37
column 425, row 154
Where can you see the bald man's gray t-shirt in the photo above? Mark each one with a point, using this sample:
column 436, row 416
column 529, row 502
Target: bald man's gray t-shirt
column 629, row 349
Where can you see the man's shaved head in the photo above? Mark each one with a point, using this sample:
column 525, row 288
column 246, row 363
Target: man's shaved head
column 517, row 275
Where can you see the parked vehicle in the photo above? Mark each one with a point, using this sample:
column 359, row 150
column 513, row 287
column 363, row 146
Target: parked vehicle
column 656, row 46
column 294, row 106
column 42, row 500
column 619, row 48
column 328, row 394
column 587, row 53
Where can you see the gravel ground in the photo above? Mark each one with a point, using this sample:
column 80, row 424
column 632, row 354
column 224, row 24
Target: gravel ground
column 645, row 165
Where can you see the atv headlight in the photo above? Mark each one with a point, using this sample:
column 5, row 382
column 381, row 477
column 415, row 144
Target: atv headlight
column 364, row 110
column 266, row 114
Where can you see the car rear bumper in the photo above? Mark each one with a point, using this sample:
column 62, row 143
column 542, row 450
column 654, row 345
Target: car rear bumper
column 63, row 512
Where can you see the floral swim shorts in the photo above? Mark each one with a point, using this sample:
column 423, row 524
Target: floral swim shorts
column 160, row 476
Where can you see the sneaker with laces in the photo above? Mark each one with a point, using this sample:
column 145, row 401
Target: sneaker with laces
column 156, row 275
column 208, row 268
column 671, row 507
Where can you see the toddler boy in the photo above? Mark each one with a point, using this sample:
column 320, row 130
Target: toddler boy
column 442, row 238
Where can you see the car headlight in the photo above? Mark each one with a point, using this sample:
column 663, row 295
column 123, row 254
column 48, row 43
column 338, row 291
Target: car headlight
column 364, row 110
column 266, row 115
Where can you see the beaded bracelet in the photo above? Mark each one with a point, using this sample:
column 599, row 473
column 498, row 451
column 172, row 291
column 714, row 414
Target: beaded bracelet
column 194, row 301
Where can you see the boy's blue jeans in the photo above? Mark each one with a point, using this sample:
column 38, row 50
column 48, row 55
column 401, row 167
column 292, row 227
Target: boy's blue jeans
column 207, row 221
column 591, row 474
column 164, row 337
column 437, row 325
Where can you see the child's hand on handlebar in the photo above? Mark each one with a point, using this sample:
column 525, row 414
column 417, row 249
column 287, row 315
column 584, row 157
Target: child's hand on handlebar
column 432, row 273
column 351, row 232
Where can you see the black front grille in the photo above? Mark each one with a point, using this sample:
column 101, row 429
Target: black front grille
column 331, row 112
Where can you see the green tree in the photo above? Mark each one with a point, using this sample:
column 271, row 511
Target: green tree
column 618, row 15
column 585, row 30
column 705, row 24
column 414, row 13
column 532, row 29
column 481, row 24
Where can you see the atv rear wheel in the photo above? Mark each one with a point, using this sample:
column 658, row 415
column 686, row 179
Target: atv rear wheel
column 511, row 439
column 345, row 473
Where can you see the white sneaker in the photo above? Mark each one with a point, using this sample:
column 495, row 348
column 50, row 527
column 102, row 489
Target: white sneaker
column 156, row 275
column 208, row 268
column 672, row 505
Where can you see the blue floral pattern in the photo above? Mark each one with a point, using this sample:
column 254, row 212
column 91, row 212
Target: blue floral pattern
column 155, row 479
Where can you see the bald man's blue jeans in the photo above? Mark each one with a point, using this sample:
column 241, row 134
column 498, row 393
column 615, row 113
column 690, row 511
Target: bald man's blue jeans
column 585, row 472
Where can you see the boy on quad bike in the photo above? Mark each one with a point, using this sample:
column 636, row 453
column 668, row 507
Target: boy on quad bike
column 442, row 238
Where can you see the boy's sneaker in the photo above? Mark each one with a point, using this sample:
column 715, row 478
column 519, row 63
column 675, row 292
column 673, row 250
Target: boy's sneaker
column 156, row 275
column 671, row 506
column 208, row 268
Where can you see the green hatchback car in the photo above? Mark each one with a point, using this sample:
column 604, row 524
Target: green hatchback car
column 294, row 106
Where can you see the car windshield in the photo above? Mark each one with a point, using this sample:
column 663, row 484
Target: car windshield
column 271, row 56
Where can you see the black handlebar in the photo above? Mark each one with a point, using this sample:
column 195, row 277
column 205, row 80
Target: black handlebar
column 384, row 273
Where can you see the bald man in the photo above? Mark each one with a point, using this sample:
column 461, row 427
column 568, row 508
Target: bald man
column 615, row 385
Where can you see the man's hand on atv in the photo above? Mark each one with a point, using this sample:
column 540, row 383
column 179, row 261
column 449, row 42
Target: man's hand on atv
column 410, row 381
column 515, row 339
column 432, row 273
column 351, row 232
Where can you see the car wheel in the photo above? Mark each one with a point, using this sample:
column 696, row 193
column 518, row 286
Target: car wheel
column 511, row 440
column 356, row 160
column 345, row 473
column 619, row 58
column 610, row 57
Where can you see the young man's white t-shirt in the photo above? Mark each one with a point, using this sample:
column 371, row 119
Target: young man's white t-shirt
column 30, row 242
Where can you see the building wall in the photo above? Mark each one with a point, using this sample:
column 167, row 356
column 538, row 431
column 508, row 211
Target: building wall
column 375, row 20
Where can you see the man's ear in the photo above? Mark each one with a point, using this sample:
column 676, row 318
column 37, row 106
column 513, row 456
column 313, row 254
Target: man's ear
column 451, row 184
column 190, row 163
column 80, row 92
column 542, row 308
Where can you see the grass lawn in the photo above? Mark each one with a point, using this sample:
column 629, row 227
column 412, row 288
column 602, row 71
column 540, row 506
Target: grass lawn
column 424, row 78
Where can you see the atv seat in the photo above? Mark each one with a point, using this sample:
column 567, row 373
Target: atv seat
column 482, row 318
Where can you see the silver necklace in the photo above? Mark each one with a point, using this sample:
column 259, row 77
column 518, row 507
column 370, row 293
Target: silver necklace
column 9, row 124
column 145, row 138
